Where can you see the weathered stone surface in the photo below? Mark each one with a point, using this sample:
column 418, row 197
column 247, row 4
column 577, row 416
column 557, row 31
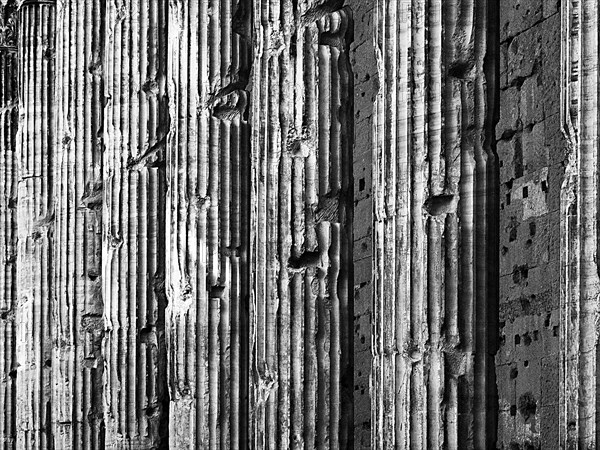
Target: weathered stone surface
column 301, row 227
column 9, row 120
column 298, row 224
column 434, row 203
column 35, row 224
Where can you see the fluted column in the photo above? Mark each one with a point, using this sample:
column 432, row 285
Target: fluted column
column 35, row 222
column 301, row 227
column 77, row 326
column 207, row 220
column 8, row 223
column 135, row 118
column 433, row 200
column 580, row 283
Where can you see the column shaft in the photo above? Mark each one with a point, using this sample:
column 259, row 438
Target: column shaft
column 35, row 223
column 9, row 120
column 133, row 236
column 77, row 305
column 301, row 227
column 433, row 180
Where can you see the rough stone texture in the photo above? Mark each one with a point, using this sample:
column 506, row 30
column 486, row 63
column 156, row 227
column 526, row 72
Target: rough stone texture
column 532, row 156
column 363, row 60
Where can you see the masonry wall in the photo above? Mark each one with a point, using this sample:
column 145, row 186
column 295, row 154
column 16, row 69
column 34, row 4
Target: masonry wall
column 362, row 54
column 532, row 158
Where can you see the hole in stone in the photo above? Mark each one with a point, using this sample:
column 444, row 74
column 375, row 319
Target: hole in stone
column 361, row 184
column 48, row 363
column 513, row 373
column 525, row 192
column 501, row 163
column 536, row 335
column 504, row 250
column 517, row 339
column 508, row 199
column 528, row 243
column 532, row 229
column 544, row 186
column 362, row 94
column 526, row 363
column 547, row 321
column 458, row 70
column 555, row 330
column 362, row 339
column 527, row 340
column 527, row 405
column 520, row 273
column 145, row 332
column 516, row 275
column 512, row 236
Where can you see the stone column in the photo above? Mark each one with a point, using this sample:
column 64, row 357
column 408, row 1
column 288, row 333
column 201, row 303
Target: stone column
column 9, row 120
column 208, row 223
column 301, row 226
column 133, row 231
column 77, row 307
column 580, row 283
column 35, row 222
column 434, row 212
